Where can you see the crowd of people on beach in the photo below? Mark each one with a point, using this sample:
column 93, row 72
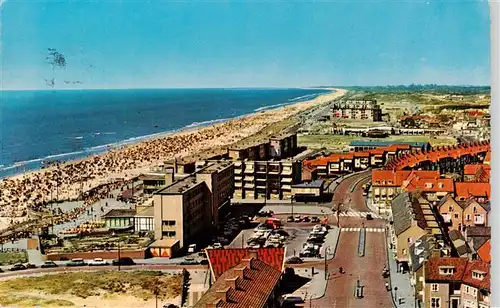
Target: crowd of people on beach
column 34, row 191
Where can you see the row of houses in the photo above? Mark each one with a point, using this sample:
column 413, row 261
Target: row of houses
column 437, row 255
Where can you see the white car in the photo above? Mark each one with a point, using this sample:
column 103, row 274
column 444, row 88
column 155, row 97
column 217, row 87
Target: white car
column 192, row 248
column 291, row 299
column 98, row 262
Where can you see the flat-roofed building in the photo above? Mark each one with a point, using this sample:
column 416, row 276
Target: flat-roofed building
column 188, row 210
column 265, row 179
column 312, row 191
column 152, row 182
column 283, row 145
column 359, row 110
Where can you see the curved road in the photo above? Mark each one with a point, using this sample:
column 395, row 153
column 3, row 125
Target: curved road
column 341, row 287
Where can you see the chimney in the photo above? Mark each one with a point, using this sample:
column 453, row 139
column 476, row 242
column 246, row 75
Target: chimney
column 240, row 271
column 214, row 304
column 248, row 262
column 232, row 282
column 222, row 294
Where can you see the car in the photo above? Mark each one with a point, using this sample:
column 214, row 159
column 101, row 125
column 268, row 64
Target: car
column 17, row 267
column 76, row 262
column 98, row 262
column 306, row 219
column 189, row 261
column 202, row 254
column 294, row 260
column 315, row 219
column 297, row 219
column 48, row 264
column 290, row 219
column 369, row 217
column 124, row 261
column 192, row 248
column 291, row 299
column 217, row 246
column 29, row 265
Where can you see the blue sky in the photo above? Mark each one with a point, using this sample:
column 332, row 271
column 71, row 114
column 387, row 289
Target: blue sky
column 162, row 44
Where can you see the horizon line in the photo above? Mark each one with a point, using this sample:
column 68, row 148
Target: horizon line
column 326, row 87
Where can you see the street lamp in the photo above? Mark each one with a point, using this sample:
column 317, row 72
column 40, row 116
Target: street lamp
column 396, row 294
column 326, row 265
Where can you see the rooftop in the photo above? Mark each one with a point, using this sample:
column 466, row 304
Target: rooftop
column 222, row 259
column 219, row 166
column 248, row 284
column 147, row 211
column 313, row 184
column 433, row 265
column 469, row 189
column 118, row 213
column 180, row 186
column 361, row 143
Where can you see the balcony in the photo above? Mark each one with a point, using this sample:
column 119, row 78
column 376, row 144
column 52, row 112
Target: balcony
column 249, row 185
column 237, row 184
column 237, row 171
column 249, row 171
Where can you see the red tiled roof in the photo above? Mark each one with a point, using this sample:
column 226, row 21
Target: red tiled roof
column 480, row 266
column 473, row 169
column 223, row 259
column 433, row 264
column 484, row 252
column 248, row 284
column 487, row 158
column 470, row 189
column 439, row 185
column 436, row 154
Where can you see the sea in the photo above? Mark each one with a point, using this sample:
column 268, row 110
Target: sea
column 40, row 126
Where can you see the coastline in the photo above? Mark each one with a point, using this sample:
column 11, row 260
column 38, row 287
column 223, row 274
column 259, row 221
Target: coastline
column 130, row 160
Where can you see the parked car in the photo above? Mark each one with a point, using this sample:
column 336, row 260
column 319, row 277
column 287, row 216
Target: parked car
column 290, row 219
column 98, row 262
column 29, row 265
column 315, row 219
column 369, row 217
column 297, row 219
column 217, row 246
column 306, row 219
column 124, row 261
column 204, row 262
column 291, row 299
column 294, row 260
column 192, row 248
column 189, row 261
column 76, row 262
column 17, row 267
column 48, row 264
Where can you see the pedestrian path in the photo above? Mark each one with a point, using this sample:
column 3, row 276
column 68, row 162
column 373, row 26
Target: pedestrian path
column 347, row 229
column 358, row 214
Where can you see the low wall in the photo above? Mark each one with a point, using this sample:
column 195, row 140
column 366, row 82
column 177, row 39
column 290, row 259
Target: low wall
column 106, row 255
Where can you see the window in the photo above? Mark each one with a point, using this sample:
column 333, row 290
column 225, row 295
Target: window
column 446, row 270
column 404, row 252
column 434, row 287
column 475, row 210
column 478, row 275
column 450, row 208
column 456, row 215
column 436, row 302
column 467, row 217
column 168, row 233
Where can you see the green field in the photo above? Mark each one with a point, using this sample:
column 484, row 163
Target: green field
column 9, row 258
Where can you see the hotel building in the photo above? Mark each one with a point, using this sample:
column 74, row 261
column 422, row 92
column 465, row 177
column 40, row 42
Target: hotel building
column 359, row 110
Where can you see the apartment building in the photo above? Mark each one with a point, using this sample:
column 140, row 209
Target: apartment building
column 152, row 182
column 188, row 210
column 265, row 179
column 456, row 283
column 359, row 110
column 280, row 146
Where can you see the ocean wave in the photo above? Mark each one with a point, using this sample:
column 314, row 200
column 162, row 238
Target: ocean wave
column 271, row 106
column 206, row 123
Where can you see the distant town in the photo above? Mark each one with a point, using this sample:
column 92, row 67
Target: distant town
column 368, row 198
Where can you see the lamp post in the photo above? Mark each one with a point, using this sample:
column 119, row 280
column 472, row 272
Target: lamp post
column 396, row 294
column 119, row 256
column 327, row 249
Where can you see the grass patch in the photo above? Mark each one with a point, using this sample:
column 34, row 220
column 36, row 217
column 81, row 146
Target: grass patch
column 33, row 301
column 8, row 258
column 140, row 284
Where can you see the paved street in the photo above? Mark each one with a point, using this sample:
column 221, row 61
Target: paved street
column 341, row 287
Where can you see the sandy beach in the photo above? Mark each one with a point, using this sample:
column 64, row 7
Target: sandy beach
column 34, row 190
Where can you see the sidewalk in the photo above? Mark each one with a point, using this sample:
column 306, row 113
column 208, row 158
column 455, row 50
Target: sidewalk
column 405, row 292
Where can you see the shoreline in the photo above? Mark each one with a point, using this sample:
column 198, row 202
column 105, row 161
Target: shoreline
column 119, row 144
column 26, row 191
